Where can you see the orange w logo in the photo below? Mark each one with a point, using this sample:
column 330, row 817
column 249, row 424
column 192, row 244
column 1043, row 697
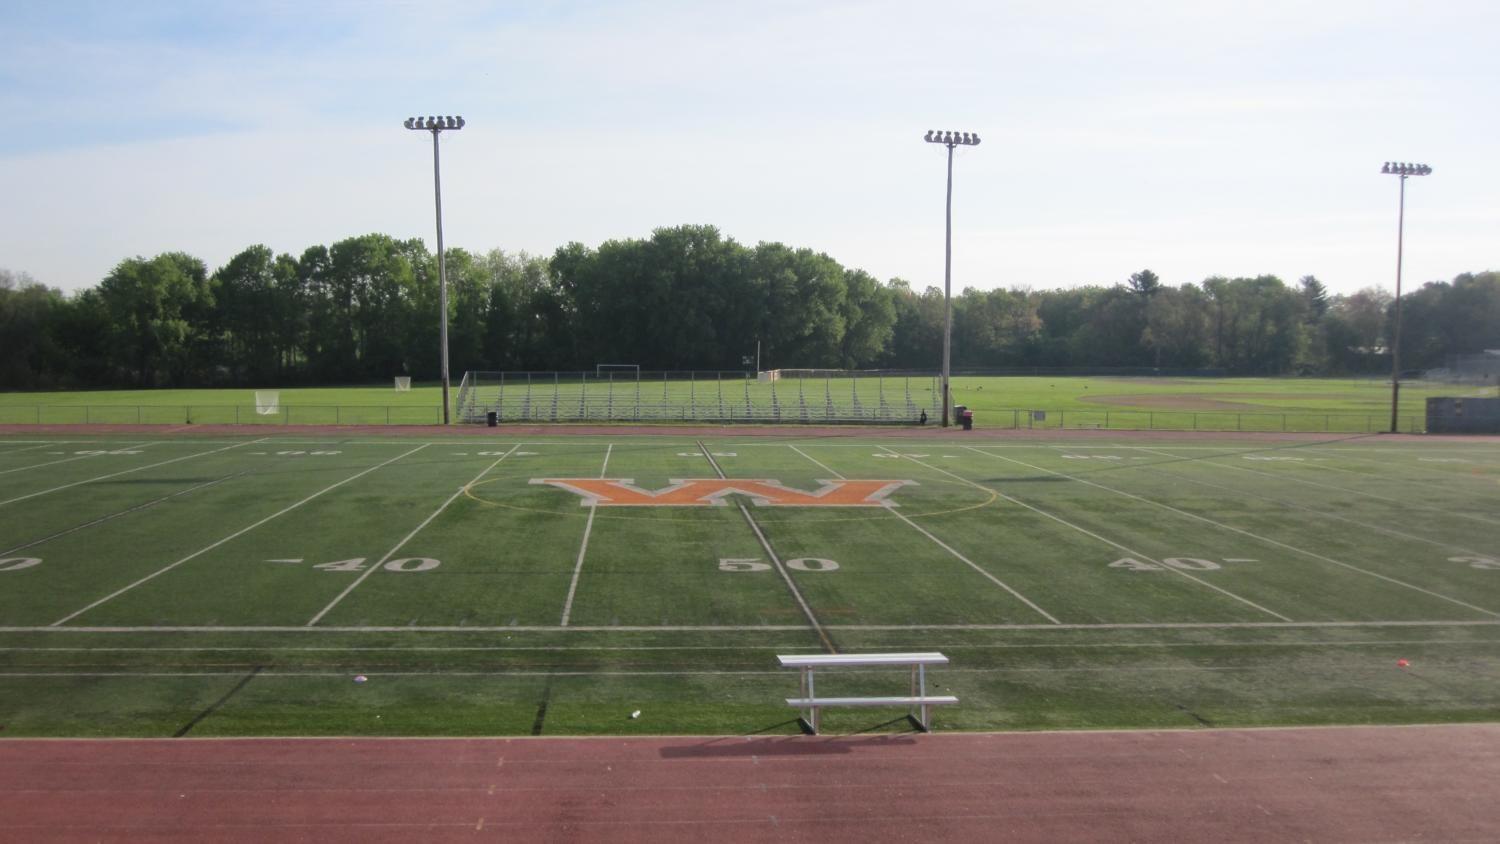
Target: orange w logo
column 710, row 492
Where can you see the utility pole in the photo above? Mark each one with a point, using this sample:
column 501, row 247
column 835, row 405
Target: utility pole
column 1403, row 170
column 950, row 140
column 438, row 125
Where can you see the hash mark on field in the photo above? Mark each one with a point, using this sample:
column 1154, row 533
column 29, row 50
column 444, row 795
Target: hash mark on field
column 1243, row 532
column 425, row 522
column 584, row 546
column 1179, row 572
column 240, row 532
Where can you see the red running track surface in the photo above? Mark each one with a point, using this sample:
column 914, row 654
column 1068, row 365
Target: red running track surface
column 1355, row 784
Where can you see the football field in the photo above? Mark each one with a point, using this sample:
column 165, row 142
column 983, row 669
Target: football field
column 499, row 585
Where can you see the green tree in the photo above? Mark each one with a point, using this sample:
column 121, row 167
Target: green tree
column 159, row 309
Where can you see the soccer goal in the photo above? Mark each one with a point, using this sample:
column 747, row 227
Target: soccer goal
column 611, row 369
column 267, row 402
column 403, row 383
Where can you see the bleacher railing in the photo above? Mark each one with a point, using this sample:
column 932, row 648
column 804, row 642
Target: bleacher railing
column 812, row 396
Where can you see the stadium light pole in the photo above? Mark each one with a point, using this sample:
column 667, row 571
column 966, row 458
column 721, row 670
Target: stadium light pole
column 1402, row 169
column 949, row 140
column 438, row 125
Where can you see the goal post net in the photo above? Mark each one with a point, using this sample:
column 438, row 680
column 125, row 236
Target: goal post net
column 403, row 383
column 267, row 402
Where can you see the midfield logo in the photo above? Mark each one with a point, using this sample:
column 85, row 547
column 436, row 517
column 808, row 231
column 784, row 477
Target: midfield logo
column 713, row 492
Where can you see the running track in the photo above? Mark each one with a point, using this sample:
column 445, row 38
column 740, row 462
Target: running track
column 1364, row 784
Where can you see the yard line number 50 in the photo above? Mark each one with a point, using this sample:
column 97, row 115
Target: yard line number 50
column 799, row 564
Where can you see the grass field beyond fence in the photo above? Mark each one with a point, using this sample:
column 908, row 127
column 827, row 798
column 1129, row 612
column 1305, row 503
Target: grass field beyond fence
column 1121, row 403
column 160, row 586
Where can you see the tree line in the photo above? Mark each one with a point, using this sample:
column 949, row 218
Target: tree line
column 366, row 308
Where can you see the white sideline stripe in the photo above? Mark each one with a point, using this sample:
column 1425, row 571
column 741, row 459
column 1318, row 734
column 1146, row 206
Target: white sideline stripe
column 958, row 645
column 583, row 548
column 770, row 628
column 240, row 532
column 64, row 460
column 125, row 512
column 775, row 560
column 965, row 560
column 416, row 530
column 708, row 672
column 1297, row 506
column 1243, row 532
column 125, row 472
column 1106, row 541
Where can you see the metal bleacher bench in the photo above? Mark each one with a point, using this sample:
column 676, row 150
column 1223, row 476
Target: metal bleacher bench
column 917, row 698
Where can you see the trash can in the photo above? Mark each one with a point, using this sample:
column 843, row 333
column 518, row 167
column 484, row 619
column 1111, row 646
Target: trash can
column 492, row 418
column 967, row 420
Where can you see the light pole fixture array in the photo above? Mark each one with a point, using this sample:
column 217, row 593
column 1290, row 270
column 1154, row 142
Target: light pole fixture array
column 950, row 140
column 438, row 125
column 1402, row 169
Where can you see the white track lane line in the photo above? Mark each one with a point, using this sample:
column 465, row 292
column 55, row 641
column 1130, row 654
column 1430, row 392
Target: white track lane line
column 946, row 547
column 1243, row 532
column 102, row 519
column 786, row 576
column 583, row 548
column 1294, row 505
column 100, row 453
column 764, row 628
column 1110, row 542
column 129, row 471
column 240, row 532
column 399, row 545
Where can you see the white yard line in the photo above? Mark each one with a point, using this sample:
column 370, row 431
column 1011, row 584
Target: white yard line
column 128, row 471
column 815, row 462
column 1404, row 502
column 775, row 560
column 912, row 646
column 240, row 532
column 1297, row 505
column 945, row 546
column 1243, row 532
column 583, row 547
column 27, row 448
column 102, row 519
column 1106, row 541
column 418, row 529
column 761, row 628
column 101, row 453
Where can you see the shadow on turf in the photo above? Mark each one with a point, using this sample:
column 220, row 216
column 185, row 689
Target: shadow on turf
column 750, row 745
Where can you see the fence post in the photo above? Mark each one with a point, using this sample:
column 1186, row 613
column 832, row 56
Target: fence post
column 1151, row 420
column 85, row 414
column 338, row 415
column 1237, row 425
column 387, row 414
column 1062, row 420
column 1106, row 419
column 1283, row 423
column 1195, row 420
column 1325, row 423
column 137, row 414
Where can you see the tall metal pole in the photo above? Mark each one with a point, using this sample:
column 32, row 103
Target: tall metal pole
column 437, row 198
column 948, row 291
column 950, row 140
column 1396, row 340
column 438, row 125
column 1403, row 170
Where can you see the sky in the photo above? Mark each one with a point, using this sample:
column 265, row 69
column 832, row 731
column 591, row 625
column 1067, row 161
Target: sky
column 1192, row 138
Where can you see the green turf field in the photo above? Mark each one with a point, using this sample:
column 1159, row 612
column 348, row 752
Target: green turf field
column 1122, row 403
column 152, row 585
